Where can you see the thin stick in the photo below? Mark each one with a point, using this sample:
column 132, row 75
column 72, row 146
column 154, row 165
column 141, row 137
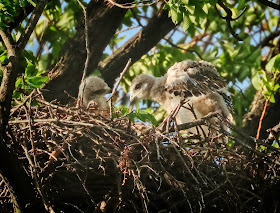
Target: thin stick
column 87, row 50
column 130, row 6
column 73, row 123
column 261, row 118
column 86, row 40
column 23, row 103
column 120, row 78
column 198, row 122
column 117, row 84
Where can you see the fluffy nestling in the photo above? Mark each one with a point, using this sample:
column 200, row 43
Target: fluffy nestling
column 92, row 91
column 197, row 82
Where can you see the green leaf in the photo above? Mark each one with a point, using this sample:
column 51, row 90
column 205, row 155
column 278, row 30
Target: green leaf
column 186, row 2
column 32, row 3
column 22, row 3
column 19, row 83
column 175, row 16
column 272, row 98
column 4, row 57
column 186, row 22
column 274, row 64
column 37, row 81
column 31, row 70
column 190, row 9
column 29, row 56
column 256, row 81
column 143, row 116
column 276, row 87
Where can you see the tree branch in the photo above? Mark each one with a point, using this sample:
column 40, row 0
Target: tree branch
column 136, row 47
column 31, row 24
column 22, row 13
column 270, row 4
column 251, row 119
column 67, row 72
column 202, row 121
column 10, row 166
column 229, row 18
column 9, row 42
column 267, row 39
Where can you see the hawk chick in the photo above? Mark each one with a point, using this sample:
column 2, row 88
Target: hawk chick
column 198, row 82
column 92, row 91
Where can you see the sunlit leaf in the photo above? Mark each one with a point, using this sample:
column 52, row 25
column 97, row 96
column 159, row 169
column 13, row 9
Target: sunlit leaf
column 274, row 64
column 143, row 116
column 33, row 3
column 37, row 81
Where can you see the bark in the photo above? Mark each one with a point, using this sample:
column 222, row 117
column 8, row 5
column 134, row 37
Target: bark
column 271, row 118
column 272, row 114
column 136, row 47
column 22, row 13
column 10, row 167
column 67, row 71
column 20, row 183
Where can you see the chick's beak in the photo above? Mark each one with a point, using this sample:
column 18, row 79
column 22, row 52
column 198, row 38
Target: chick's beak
column 132, row 97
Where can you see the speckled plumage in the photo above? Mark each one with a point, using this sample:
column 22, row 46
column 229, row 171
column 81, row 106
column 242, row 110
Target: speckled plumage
column 193, row 78
column 195, row 81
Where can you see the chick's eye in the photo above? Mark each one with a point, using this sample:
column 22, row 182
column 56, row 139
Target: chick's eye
column 137, row 86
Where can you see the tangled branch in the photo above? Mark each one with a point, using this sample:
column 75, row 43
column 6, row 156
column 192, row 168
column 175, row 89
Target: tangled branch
column 229, row 18
column 86, row 162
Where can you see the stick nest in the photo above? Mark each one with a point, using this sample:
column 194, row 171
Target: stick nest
column 82, row 162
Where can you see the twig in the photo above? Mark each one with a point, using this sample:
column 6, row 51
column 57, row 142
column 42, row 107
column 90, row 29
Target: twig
column 31, row 24
column 229, row 18
column 184, row 163
column 120, row 78
column 270, row 4
column 201, row 121
column 250, row 138
column 72, row 123
column 270, row 37
column 37, row 182
column 261, row 118
column 130, row 6
column 86, row 40
column 130, row 28
column 188, row 49
column 117, row 84
column 87, row 50
column 195, row 116
column 12, row 195
column 23, row 103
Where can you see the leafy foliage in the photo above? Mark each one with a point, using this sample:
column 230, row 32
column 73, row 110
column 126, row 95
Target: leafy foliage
column 203, row 34
column 241, row 38
column 32, row 77
column 8, row 11
column 270, row 87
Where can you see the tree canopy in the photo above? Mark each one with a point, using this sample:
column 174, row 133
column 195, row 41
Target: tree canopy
column 48, row 47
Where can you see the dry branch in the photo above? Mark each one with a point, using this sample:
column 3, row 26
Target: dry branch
column 89, row 163
column 10, row 166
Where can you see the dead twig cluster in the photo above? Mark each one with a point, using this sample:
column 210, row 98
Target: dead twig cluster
column 81, row 162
